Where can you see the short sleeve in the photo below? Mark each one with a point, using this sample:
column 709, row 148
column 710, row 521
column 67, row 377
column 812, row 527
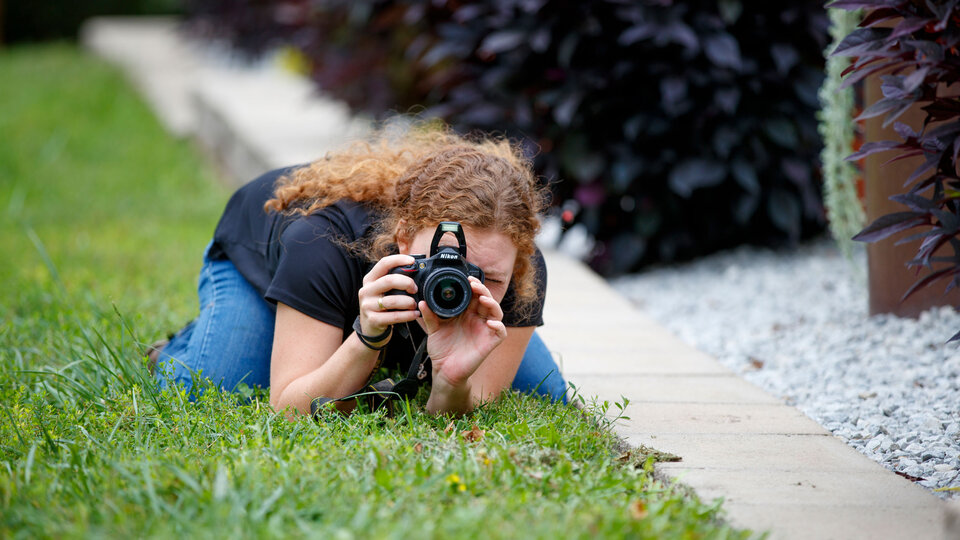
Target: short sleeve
column 531, row 314
column 315, row 273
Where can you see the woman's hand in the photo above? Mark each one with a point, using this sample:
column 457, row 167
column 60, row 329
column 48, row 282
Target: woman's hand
column 458, row 346
column 378, row 311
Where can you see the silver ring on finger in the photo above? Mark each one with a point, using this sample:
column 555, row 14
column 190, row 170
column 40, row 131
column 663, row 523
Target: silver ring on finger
column 380, row 303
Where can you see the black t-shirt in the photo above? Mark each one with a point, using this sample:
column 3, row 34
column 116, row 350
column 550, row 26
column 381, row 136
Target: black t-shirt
column 302, row 261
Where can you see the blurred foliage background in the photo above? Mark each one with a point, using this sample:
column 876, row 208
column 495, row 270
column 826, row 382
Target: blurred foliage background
column 668, row 129
column 677, row 128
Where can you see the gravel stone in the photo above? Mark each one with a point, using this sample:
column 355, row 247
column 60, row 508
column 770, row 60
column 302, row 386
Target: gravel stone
column 914, row 449
column 796, row 324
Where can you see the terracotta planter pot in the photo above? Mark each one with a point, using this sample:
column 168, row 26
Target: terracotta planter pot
column 888, row 274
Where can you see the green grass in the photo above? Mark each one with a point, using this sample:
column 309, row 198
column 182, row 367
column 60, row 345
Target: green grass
column 102, row 221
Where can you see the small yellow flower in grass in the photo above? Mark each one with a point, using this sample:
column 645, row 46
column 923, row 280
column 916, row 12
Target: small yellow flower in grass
column 453, row 480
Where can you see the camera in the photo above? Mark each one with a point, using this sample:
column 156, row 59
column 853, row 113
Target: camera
column 441, row 278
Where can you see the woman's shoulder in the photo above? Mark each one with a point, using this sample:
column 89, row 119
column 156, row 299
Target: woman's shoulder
column 345, row 219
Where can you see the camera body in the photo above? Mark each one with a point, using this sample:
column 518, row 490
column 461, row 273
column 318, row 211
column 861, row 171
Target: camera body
column 442, row 278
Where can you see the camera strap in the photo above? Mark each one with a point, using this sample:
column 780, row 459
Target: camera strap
column 386, row 391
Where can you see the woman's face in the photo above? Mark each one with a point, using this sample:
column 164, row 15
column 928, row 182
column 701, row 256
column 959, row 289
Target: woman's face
column 491, row 250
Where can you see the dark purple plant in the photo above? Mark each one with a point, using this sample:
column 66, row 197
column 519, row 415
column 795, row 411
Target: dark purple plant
column 912, row 45
column 678, row 128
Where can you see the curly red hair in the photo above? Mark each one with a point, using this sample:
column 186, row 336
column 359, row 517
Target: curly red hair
column 422, row 176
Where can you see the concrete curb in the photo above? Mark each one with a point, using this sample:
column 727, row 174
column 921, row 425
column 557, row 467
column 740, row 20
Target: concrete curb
column 776, row 469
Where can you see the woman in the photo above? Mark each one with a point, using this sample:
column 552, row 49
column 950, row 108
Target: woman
column 294, row 287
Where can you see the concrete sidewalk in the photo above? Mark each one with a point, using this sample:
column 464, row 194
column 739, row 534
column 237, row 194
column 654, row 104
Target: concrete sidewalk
column 776, row 469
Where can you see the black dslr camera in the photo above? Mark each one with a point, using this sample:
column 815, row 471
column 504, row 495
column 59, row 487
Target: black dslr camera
column 441, row 278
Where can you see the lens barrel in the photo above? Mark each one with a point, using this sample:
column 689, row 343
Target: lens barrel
column 447, row 292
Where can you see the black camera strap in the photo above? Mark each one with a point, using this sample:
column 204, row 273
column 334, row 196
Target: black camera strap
column 386, row 391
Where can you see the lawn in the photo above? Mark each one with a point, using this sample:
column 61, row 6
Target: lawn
column 103, row 218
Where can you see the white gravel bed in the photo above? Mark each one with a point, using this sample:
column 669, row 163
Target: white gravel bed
column 795, row 323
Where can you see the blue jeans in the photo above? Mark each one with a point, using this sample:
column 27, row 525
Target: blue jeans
column 231, row 341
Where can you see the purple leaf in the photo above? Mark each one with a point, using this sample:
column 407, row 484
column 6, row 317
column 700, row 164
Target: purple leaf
column 898, row 112
column 907, row 26
column 918, row 236
column 746, row 176
column 928, row 51
column 905, row 131
column 862, row 40
column 567, row 107
column 954, row 338
column 884, row 105
column 927, row 280
column 872, row 148
column 677, row 32
column 502, row 41
column 784, row 57
column 943, row 131
column 890, row 224
column 948, row 220
column 879, row 15
column 782, row 131
column 695, row 174
column 862, row 74
column 914, row 202
column 912, row 81
column 930, row 163
column 673, row 91
column 723, row 51
column 906, row 155
column 727, row 99
column 636, row 33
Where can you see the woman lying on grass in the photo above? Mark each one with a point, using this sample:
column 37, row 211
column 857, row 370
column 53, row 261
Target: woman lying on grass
column 294, row 290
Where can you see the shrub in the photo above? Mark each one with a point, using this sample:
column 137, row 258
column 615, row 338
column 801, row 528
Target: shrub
column 678, row 128
column 913, row 47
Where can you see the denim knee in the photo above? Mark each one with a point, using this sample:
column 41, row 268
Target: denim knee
column 230, row 341
column 538, row 372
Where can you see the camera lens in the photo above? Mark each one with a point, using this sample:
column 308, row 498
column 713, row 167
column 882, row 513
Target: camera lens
column 448, row 293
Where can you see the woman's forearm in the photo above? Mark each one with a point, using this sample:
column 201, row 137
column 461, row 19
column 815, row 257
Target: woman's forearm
column 342, row 374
